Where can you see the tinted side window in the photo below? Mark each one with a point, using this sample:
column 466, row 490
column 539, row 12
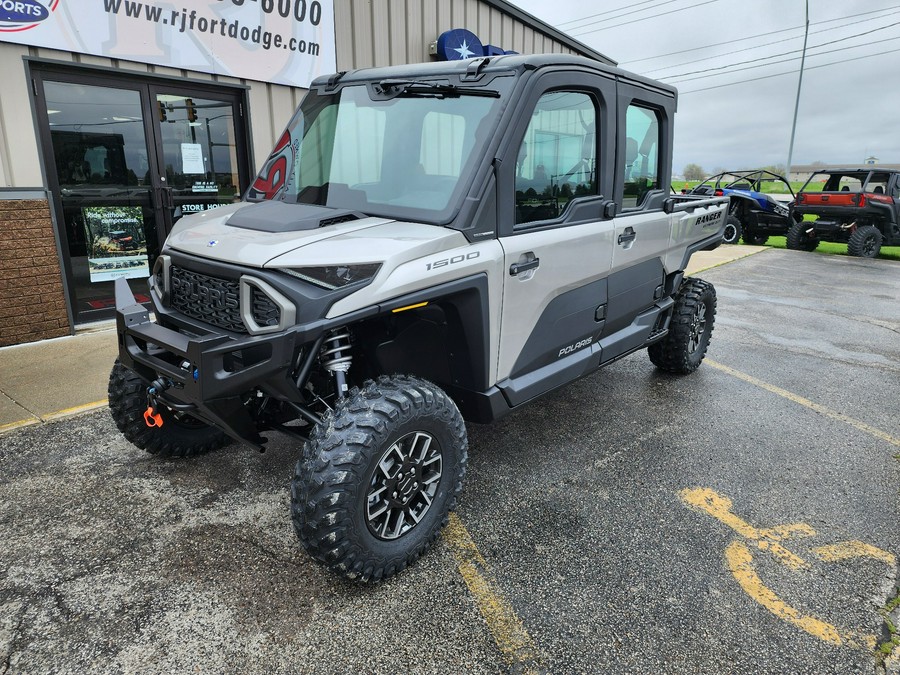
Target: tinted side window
column 641, row 167
column 557, row 158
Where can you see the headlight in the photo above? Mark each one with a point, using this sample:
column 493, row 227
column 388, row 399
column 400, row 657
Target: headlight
column 333, row 277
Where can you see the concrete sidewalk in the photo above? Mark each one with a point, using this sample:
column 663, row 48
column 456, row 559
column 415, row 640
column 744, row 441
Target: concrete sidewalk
column 43, row 381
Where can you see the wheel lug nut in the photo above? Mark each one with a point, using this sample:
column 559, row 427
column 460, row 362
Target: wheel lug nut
column 395, row 495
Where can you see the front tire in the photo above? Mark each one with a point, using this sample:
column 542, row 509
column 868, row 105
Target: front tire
column 865, row 242
column 378, row 477
column 755, row 239
column 732, row 234
column 799, row 240
column 690, row 329
column 179, row 436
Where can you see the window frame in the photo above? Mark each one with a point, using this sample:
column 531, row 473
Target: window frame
column 663, row 104
column 601, row 88
column 530, row 224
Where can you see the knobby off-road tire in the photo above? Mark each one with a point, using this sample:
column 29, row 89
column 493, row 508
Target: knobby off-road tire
column 733, row 230
column 865, row 242
column 179, row 436
column 799, row 240
column 755, row 239
column 379, row 476
column 693, row 317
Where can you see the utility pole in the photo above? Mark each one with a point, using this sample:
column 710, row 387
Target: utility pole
column 787, row 170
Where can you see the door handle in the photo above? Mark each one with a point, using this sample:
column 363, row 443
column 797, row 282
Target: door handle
column 627, row 236
column 166, row 198
column 517, row 268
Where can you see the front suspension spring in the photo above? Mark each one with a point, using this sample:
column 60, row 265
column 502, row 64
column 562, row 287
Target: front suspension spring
column 336, row 358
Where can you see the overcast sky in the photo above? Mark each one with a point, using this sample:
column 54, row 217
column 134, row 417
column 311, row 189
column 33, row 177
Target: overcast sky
column 849, row 102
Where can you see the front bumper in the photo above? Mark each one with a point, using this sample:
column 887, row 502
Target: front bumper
column 211, row 375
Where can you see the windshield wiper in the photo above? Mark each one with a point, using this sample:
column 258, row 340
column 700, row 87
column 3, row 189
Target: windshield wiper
column 418, row 88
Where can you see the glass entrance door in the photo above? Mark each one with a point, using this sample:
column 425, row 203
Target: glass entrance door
column 105, row 184
column 198, row 150
column 125, row 160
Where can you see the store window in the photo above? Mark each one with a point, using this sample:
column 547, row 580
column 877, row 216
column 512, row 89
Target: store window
column 556, row 160
column 641, row 168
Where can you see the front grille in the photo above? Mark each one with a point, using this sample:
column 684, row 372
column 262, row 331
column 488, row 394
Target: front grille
column 264, row 311
column 208, row 299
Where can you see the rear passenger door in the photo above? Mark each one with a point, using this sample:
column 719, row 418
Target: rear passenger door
column 556, row 241
column 642, row 229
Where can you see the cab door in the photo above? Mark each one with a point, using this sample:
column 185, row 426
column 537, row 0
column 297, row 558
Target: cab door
column 557, row 242
column 642, row 229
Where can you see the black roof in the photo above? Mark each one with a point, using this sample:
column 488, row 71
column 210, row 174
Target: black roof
column 493, row 64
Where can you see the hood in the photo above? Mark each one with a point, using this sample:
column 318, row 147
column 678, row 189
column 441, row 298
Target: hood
column 391, row 243
column 253, row 234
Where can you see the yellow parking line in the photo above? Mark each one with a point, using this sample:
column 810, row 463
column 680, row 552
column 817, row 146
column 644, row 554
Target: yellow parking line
column 68, row 412
column 508, row 630
column 53, row 416
column 805, row 402
column 18, row 425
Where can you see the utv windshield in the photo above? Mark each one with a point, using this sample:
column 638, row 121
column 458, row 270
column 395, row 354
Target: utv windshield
column 404, row 151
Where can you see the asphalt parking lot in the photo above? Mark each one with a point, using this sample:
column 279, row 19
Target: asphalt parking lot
column 743, row 519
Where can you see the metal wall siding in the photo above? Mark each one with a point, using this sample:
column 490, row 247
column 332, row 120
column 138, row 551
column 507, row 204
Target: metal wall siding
column 398, row 31
column 20, row 150
column 380, row 29
column 363, row 39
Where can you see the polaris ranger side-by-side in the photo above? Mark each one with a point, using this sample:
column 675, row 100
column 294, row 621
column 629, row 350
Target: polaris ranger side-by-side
column 426, row 244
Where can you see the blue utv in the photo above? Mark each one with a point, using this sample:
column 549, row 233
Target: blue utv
column 760, row 204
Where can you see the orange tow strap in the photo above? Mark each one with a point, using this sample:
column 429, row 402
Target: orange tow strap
column 152, row 419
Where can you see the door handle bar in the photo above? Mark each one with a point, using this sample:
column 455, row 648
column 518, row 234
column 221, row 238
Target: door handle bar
column 517, row 268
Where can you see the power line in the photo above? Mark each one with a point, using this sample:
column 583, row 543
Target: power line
column 613, row 18
column 763, row 65
column 609, row 11
column 793, row 51
column 758, row 35
column 789, row 72
column 625, row 23
column 767, row 44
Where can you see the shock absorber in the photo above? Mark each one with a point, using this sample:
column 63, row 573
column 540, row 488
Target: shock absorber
column 336, row 358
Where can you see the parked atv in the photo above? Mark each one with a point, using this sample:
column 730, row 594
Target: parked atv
column 859, row 207
column 755, row 213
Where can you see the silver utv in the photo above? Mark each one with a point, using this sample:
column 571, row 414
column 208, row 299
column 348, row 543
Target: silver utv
column 426, row 244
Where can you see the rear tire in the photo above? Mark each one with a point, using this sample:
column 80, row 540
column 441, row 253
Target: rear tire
column 755, row 239
column 799, row 240
column 378, row 477
column 865, row 242
column 732, row 234
column 179, row 436
column 690, row 329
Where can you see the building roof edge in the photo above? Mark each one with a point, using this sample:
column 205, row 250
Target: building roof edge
column 549, row 31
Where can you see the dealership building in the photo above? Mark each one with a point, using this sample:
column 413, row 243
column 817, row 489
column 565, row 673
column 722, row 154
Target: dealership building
column 117, row 117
